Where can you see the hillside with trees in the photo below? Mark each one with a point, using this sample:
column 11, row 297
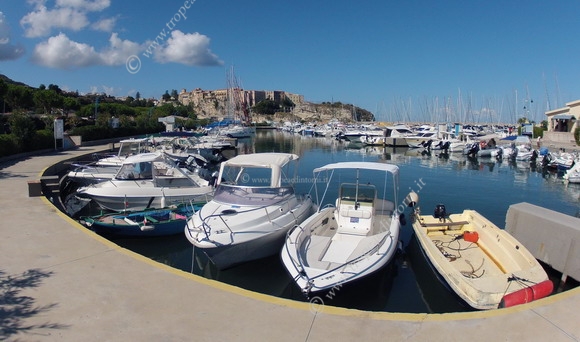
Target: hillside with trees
column 28, row 114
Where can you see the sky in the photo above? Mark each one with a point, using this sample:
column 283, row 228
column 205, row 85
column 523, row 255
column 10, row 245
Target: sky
column 402, row 60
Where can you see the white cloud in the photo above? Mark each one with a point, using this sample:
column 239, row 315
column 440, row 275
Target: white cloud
column 41, row 22
column 63, row 53
column 67, row 14
column 8, row 51
column 188, row 49
column 105, row 25
column 87, row 5
column 119, row 50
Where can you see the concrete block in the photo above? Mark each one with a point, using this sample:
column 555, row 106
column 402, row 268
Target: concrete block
column 34, row 189
column 552, row 237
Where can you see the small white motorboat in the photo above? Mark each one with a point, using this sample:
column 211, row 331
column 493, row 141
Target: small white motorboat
column 485, row 266
column 148, row 180
column 127, row 147
column 572, row 175
column 253, row 208
column 351, row 237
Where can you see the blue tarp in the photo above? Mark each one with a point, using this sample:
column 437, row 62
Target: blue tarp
column 223, row 123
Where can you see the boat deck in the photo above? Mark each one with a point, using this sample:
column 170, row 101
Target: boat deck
column 467, row 257
column 328, row 248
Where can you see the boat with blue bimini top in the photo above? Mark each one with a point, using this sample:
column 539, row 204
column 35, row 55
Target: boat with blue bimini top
column 253, row 208
column 151, row 222
column 485, row 266
column 353, row 233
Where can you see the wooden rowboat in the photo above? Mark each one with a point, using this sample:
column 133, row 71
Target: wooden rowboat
column 150, row 222
column 483, row 264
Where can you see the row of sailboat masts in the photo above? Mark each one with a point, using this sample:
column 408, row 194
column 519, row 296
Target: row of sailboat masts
column 236, row 102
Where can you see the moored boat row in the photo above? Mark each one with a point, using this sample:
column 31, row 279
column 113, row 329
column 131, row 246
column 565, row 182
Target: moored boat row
column 347, row 233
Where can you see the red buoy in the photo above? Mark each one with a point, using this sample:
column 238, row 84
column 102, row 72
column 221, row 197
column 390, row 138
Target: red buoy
column 527, row 294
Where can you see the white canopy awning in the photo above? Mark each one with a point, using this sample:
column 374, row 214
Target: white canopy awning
column 563, row 117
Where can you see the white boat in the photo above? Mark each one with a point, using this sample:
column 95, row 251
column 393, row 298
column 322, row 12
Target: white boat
column 396, row 135
column 91, row 174
column 485, row 266
column 420, row 140
column 519, row 149
column 238, row 131
column 253, row 208
column 351, row 237
column 148, row 180
column 572, row 175
column 127, row 147
column 213, row 148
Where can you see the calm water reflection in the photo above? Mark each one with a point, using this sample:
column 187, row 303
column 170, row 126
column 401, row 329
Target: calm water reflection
column 407, row 285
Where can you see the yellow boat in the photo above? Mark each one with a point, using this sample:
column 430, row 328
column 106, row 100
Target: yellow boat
column 483, row 264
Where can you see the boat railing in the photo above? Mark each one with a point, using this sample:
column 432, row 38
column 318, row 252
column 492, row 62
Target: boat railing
column 346, row 265
column 300, row 237
column 207, row 228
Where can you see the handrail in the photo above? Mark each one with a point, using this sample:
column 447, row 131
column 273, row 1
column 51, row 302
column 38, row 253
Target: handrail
column 207, row 228
column 345, row 265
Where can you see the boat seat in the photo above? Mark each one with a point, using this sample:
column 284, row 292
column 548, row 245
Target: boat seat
column 355, row 213
column 355, row 221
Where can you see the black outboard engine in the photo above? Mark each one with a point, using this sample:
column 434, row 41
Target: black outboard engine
column 534, row 157
column 445, row 146
column 440, row 212
column 472, row 150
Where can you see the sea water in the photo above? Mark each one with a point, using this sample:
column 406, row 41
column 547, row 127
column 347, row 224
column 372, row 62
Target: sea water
column 488, row 186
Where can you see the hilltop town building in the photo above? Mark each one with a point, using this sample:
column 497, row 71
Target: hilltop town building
column 199, row 96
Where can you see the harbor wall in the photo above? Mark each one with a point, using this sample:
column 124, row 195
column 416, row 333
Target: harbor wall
column 552, row 237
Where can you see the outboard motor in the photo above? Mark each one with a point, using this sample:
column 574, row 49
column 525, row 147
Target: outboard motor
column 472, row 149
column 440, row 212
column 445, row 146
column 534, row 157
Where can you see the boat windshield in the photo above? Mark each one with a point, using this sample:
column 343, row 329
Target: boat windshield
column 135, row 171
column 364, row 193
column 242, row 195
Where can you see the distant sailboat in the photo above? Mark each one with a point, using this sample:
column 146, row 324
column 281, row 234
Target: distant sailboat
column 237, row 110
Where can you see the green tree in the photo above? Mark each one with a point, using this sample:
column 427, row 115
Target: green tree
column 287, row 104
column 71, row 103
column 3, row 91
column 23, row 128
column 166, row 96
column 47, row 100
column 266, row 106
column 19, row 97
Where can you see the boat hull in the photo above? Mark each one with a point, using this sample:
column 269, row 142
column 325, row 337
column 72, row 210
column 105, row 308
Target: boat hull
column 159, row 222
column 135, row 199
column 248, row 234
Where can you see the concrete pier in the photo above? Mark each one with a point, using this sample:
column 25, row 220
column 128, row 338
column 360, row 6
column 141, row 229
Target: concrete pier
column 61, row 282
column 551, row 237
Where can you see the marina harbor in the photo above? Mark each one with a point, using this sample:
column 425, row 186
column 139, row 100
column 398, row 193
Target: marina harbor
column 82, row 281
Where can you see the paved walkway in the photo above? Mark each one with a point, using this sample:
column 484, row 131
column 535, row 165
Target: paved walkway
column 61, row 282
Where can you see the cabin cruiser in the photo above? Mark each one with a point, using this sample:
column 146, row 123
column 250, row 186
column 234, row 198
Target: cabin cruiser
column 253, row 208
column 148, row 180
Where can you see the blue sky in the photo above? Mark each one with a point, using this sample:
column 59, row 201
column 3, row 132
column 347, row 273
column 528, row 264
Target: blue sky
column 398, row 59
